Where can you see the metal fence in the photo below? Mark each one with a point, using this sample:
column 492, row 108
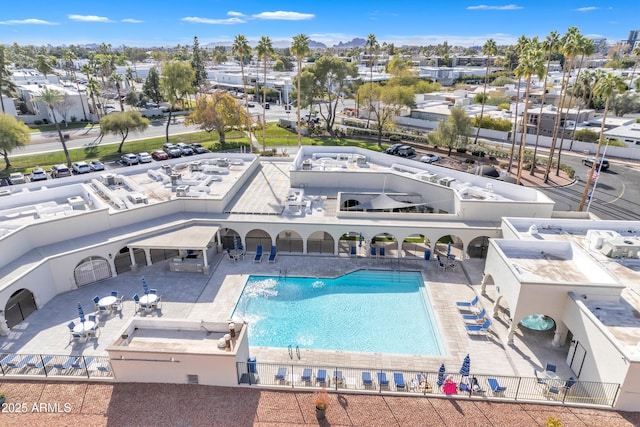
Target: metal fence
column 368, row 380
column 47, row 365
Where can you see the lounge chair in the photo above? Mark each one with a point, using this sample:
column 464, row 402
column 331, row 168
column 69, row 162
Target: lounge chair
column 321, row 376
column 114, row 294
column 550, row 368
column 354, row 251
column 398, row 380
column 258, row 257
column 373, row 252
column 273, row 253
column 441, row 266
column 306, row 375
column 467, row 305
column 539, row 380
column 95, row 301
column 495, row 386
column 476, row 389
column 479, row 328
column 569, row 383
column 281, row 375
column 367, row 382
column 67, row 364
column 232, row 258
column 381, row 252
column 82, row 362
column 382, row 379
column 39, row 364
column 475, row 317
column 338, row 379
column 20, row 363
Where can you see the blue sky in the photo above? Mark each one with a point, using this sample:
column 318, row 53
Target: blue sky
column 160, row 23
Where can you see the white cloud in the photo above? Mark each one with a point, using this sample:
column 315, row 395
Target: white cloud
column 485, row 7
column 234, row 13
column 89, row 18
column 285, row 16
column 230, row 21
column 28, row 21
column 587, row 9
column 132, row 21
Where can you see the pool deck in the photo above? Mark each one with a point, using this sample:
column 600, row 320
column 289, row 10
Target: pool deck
column 213, row 298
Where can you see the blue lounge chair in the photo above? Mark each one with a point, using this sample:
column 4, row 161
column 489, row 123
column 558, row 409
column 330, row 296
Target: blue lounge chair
column 321, row 377
column 273, row 253
column 20, row 363
column 381, row 251
column 8, row 359
column 569, row 383
column 354, row 251
column 539, row 380
column 258, row 257
column 550, row 368
column 67, row 364
column 467, row 305
column 281, row 375
column 82, row 363
column 95, row 301
column 114, row 294
column 366, row 379
column 398, row 379
column 495, row 387
column 338, row 379
column 41, row 363
column 232, row 257
column 382, row 379
column 479, row 328
column 373, row 252
column 475, row 317
column 306, row 375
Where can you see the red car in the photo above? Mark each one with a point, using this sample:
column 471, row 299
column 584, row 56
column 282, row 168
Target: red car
column 159, row 155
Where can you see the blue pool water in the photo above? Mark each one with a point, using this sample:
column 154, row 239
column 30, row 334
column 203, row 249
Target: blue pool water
column 366, row 311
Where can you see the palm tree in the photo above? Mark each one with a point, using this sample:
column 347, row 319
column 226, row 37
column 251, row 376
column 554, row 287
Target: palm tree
column 52, row 97
column 519, row 48
column 531, row 63
column 550, row 45
column 116, row 79
column 7, row 87
column 489, row 49
column 372, row 46
column 264, row 50
column 636, row 53
column 607, row 87
column 93, row 88
column 300, row 49
column 68, row 58
column 568, row 49
column 241, row 49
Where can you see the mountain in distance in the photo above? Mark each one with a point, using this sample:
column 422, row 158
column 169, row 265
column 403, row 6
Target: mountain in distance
column 356, row 42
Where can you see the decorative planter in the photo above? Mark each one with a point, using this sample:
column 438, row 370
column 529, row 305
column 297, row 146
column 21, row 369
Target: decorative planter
column 320, row 413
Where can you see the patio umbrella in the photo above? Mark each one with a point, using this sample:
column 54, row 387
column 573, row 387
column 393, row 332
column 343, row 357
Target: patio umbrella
column 361, row 239
column 449, row 249
column 466, row 365
column 144, row 285
column 81, row 313
column 441, row 375
column 235, row 242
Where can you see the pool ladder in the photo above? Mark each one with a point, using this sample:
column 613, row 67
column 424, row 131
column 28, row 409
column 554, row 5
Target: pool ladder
column 290, row 348
column 283, row 273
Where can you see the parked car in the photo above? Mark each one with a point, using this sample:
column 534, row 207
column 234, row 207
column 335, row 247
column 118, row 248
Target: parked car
column 186, row 150
column 172, row 150
column 16, row 178
column 393, row 149
column 96, row 165
column 198, row 149
column 159, row 155
column 406, row 151
column 144, row 157
column 130, row 159
column 311, row 118
column 602, row 164
column 38, row 174
column 430, row 158
column 59, row 171
column 81, row 167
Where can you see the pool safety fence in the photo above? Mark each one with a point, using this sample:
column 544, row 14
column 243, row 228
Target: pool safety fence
column 49, row 365
column 426, row 383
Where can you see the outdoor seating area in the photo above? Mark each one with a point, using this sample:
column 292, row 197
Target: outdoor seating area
column 148, row 302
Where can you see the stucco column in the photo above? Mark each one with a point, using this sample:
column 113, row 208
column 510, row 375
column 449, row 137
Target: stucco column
column 4, row 329
column 134, row 266
column 336, row 246
column 560, row 336
column 484, row 284
column 510, row 332
column 204, row 256
column 304, row 246
column 147, row 255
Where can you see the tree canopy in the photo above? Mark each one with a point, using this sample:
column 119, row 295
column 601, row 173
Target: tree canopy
column 219, row 112
column 385, row 103
column 13, row 134
column 453, row 132
column 121, row 123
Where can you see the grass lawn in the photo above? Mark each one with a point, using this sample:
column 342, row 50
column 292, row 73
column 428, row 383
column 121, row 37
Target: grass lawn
column 63, row 128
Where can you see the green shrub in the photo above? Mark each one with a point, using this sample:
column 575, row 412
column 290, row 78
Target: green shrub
column 586, row 135
column 461, row 150
column 504, row 106
column 395, row 138
column 37, row 122
column 503, row 125
column 478, row 153
column 470, row 161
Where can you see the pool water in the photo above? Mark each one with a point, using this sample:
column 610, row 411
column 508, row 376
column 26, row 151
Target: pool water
column 364, row 311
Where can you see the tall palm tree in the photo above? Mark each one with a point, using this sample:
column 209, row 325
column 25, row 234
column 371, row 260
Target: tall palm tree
column 489, row 49
column 568, row 48
column 241, row 49
column 300, row 49
column 264, row 49
column 550, row 45
column 531, row 63
column 7, row 87
column 68, row 58
column 372, row 46
column 51, row 97
column 116, row 79
column 519, row 48
column 596, row 76
column 636, row 53
column 93, row 87
column 607, row 87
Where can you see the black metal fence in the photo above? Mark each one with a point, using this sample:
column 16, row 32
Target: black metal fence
column 47, row 365
column 497, row 387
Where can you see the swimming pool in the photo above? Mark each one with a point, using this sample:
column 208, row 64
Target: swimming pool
column 364, row 311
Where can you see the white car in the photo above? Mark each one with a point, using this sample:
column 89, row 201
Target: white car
column 144, row 157
column 16, row 178
column 430, row 158
column 38, row 174
column 81, row 167
column 130, row 159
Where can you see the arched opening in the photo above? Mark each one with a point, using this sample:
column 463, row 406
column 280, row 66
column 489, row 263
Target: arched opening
column 320, row 242
column 415, row 246
column 19, row 306
column 351, row 244
column 385, row 245
column 122, row 261
column 230, row 238
column 478, row 247
column 258, row 237
column 289, row 241
column 91, row 270
column 449, row 245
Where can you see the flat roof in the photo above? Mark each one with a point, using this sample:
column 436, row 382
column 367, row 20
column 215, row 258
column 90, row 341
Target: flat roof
column 191, row 237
